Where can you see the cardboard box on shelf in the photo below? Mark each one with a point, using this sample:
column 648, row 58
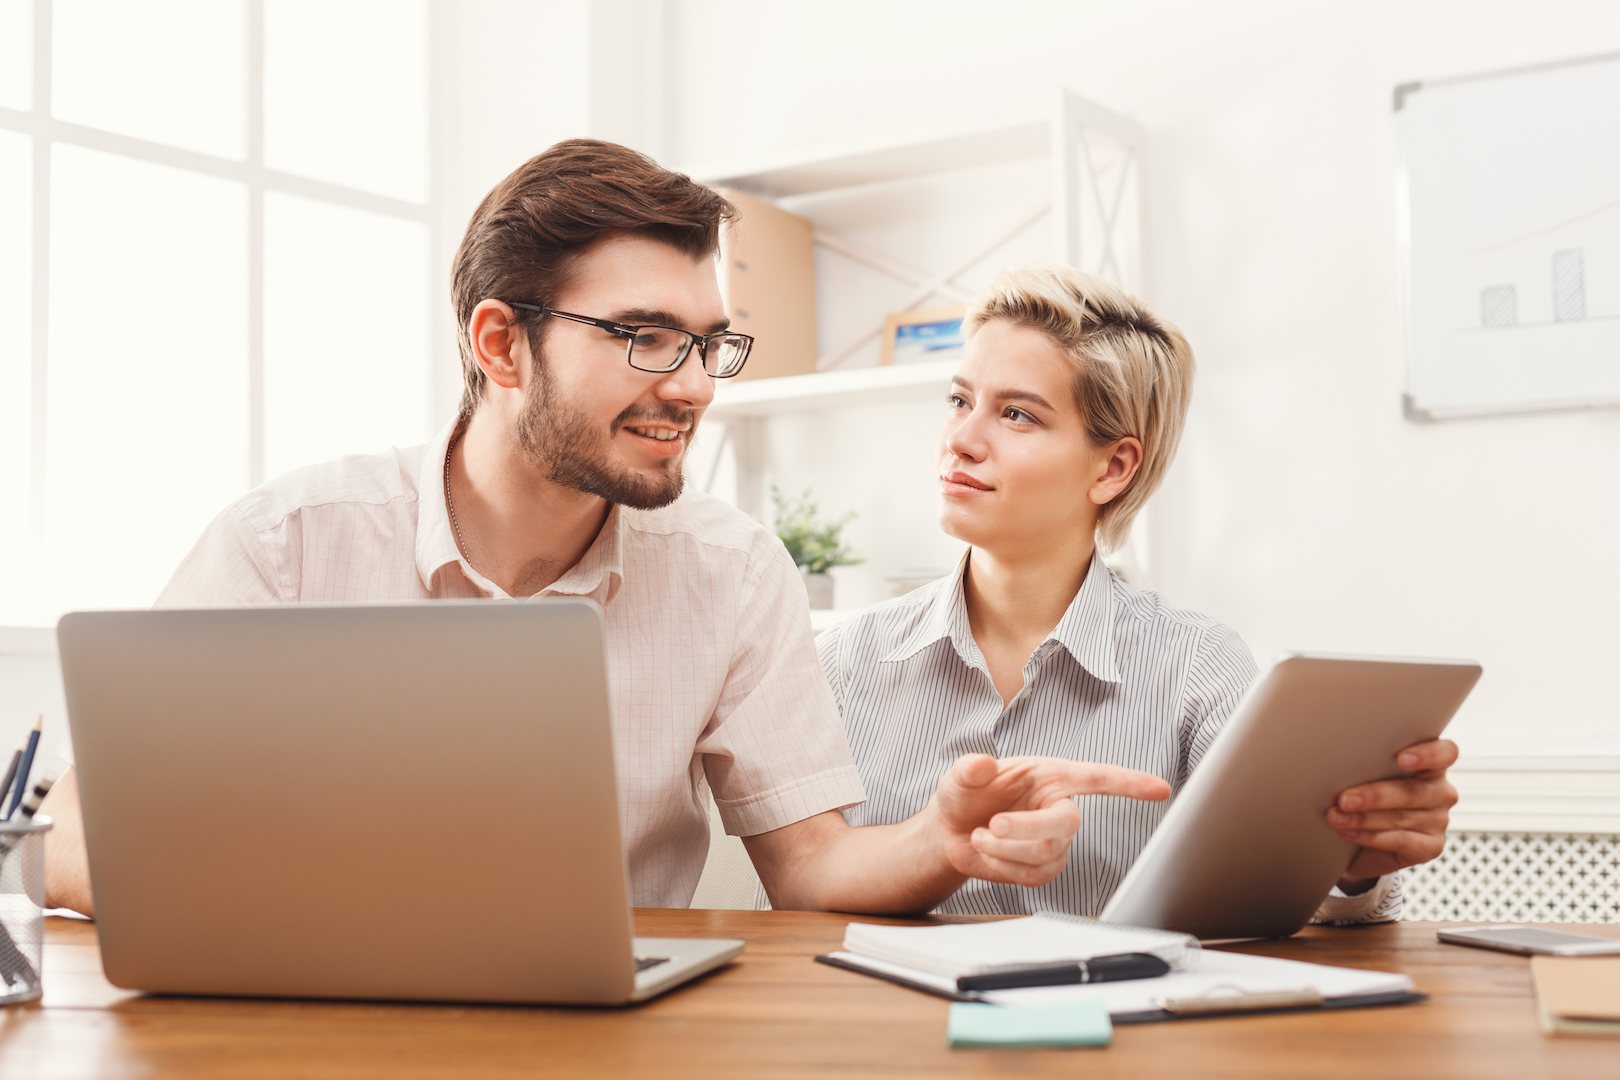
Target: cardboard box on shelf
column 768, row 281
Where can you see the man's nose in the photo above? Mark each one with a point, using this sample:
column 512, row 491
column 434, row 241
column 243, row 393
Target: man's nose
column 688, row 383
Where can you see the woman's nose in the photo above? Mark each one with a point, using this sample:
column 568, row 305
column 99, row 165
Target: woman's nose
column 966, row 438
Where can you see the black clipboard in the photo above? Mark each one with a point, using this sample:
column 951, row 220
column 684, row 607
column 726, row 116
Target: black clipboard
column 1152, row 1016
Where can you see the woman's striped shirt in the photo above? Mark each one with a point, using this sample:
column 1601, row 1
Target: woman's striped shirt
column 1124, row 679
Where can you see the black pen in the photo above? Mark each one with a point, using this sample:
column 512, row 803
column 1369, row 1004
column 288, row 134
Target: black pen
column 24, row 767
column 11, row 773
column 1116, row 968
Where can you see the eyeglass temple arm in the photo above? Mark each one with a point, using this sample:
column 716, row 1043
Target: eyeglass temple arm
column 611, row 327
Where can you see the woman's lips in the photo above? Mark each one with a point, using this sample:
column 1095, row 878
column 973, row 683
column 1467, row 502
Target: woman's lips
column 960, row 483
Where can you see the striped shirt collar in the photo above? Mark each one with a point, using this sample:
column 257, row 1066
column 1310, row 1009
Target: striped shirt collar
column 1086, row 629
column 598, row 574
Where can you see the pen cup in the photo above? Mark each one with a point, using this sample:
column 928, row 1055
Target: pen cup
column 22, row 909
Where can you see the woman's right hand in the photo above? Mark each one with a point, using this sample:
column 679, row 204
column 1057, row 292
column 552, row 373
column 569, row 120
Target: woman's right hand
column 1012, row 820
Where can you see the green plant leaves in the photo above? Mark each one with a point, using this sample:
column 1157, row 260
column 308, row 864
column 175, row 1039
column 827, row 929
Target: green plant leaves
column 814, row 545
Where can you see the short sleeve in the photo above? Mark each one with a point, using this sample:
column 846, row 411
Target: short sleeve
column 829, row 653
column 1217, row 678
column 774, row 752
column 230, row 564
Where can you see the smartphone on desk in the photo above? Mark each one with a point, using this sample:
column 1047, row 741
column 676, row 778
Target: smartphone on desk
column 1531, row 941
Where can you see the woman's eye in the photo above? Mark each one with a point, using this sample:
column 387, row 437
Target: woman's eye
column 956, row 401
column 1019, row 416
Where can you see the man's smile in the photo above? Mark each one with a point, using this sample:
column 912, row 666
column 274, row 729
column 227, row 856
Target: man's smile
column 660, row 433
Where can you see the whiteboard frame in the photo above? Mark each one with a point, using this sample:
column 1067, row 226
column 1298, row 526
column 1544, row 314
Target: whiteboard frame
column 1403, row 246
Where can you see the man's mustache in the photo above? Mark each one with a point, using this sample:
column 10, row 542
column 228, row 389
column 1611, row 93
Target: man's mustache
column 636, row 414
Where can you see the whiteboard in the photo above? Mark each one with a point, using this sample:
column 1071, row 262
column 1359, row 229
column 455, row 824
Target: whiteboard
column 1509, row 192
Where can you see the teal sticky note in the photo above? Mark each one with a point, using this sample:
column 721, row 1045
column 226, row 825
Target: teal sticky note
column 1069, row 1023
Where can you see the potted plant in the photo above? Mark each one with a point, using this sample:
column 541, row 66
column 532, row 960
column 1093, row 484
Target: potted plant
column 815, row 546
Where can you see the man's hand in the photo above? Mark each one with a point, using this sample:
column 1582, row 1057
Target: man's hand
column 1012, row 820
column 67, row 870
column 1009, row 820
column 1398, row 823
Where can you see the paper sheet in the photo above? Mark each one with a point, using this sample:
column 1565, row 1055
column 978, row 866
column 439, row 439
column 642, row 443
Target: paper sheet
column 1212, row 971
column 1215, row 971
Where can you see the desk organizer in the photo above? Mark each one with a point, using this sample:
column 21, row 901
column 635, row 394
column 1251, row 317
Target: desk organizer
column 22, row 909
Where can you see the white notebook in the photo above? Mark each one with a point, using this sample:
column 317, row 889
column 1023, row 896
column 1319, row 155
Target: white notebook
column 986, row 948
column 1221, row 974
column 1230, row 975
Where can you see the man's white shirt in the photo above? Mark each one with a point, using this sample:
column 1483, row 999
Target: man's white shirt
column 713, row 677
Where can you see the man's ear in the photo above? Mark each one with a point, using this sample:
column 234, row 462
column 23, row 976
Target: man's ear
column 499, row 343
column 1117, row 467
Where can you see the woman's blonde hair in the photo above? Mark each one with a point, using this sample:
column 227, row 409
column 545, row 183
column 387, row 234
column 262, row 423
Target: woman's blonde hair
column 1133, row 372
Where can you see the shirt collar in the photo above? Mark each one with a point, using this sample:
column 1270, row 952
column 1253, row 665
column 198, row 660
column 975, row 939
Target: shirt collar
column 436, row 546
column 1086, row 629
column 598, row 574
column 944, row 618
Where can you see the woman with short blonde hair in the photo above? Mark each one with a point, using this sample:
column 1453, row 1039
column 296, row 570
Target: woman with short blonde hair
column 1059, row 427
column 1133, row 374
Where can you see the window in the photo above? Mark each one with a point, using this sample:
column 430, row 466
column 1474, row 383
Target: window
column 215, row 248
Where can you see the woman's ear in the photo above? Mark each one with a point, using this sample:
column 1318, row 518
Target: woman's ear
column 1116, row 467
column 498, row 343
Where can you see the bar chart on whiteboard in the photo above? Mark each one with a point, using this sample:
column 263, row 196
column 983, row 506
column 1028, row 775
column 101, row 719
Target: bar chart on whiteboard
column 1510, row 221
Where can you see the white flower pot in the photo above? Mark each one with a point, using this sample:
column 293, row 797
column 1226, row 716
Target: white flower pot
column 819, row 587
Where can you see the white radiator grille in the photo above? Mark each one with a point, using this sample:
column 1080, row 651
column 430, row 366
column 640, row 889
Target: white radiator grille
column 1518, row 877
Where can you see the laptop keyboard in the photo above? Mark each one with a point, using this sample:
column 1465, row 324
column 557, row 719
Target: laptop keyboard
column 645, row 962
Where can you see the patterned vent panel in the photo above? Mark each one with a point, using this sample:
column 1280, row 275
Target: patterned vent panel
column 1518, row 877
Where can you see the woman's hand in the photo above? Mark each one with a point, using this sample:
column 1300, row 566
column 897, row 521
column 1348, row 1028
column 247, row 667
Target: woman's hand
column 1012, row 820
column 1398, row 823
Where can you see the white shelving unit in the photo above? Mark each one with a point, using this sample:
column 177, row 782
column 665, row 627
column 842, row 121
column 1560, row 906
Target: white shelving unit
column 1096, row 206
column 831, row 390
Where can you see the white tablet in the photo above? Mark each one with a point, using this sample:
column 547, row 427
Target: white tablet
column 1245, row 849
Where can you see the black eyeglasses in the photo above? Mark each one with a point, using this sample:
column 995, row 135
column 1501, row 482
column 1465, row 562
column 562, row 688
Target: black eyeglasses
column 664, row 348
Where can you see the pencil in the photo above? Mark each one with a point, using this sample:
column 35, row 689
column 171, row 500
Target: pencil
column 30, row 807
column 24, row 767
column 11, row 770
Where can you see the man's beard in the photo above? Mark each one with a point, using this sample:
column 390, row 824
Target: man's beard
column 562, row 442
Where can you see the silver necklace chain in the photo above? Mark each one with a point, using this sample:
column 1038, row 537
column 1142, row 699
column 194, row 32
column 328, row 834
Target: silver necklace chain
column 450, row 502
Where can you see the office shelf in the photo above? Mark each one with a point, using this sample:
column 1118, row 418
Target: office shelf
column 827, row 618
column 914, row 153
column 1096, row 165
column 833, row 389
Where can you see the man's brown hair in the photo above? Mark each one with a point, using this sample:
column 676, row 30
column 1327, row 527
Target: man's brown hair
column 525, row 235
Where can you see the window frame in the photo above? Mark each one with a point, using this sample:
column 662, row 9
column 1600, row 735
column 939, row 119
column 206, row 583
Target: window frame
column 44, row 131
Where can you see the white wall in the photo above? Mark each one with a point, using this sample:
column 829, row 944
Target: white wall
column 30, row 686
column 1305, row 510
column 515, row 76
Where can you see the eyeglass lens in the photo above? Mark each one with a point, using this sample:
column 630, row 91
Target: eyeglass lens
column 659, row 348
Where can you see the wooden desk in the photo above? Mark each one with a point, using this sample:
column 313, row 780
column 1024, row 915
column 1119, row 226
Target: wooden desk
column 774, row 1013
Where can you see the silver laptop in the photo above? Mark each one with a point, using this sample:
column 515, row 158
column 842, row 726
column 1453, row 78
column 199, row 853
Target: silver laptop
column 1245, row 850
column 401, row 801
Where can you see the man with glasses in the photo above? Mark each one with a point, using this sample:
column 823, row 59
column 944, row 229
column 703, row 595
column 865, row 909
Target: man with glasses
column 591, row 333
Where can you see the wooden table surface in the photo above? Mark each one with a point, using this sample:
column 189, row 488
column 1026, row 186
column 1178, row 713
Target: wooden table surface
column 775, row 1013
